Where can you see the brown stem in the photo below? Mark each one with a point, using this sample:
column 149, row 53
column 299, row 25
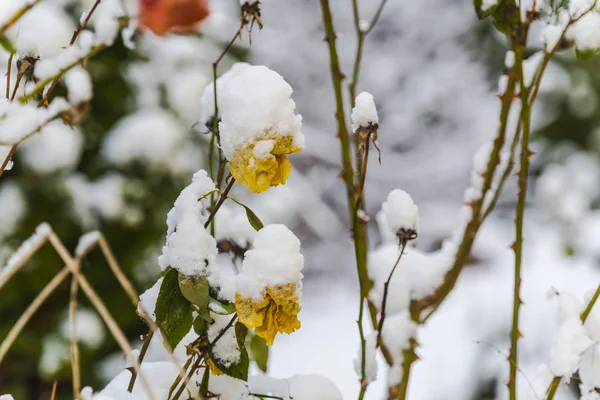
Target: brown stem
column 141, row 357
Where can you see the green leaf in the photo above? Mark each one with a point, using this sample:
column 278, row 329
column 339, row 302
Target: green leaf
column 200, row 326
column 481, row 13
column 507, row 16
column 195, row 289
column 7, row 45
column 173, row 310
column 252, row 217
column 228, row 306
column 259, row 351
column 238, row 370
column 585, row 55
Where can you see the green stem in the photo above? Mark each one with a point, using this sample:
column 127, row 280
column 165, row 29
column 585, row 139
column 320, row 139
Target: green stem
column 143, row 351
column 515, row 334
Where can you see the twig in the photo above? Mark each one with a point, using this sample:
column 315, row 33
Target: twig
column 8, row 68
column 54, row 386
column 31, row 310
column 202, row 355
column 219, row 203
column 99, row 305
column 80, row 28
column 8, row 273
column 11, row 152
column 143, row 351
column 385, row 293
column 73, row 333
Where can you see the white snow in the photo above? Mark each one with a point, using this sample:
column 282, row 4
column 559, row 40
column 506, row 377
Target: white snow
column 189, row 247
column 401, row 213
column 226, row 348
column 586, row 32
column 509, row 59
column 370, row 360
column 89, row 328
column 147, row 304
column 86, row 242
column 56, row 147
column 79, row 85
column 364, row 112
column 151, row 136
column 255, row 103
column 32, row 243
column 207, row 102
column 274, row 260
column 571, row 343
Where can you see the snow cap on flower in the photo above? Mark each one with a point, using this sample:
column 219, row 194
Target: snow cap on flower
column 207, row 101
column 364, row 112
column 258, row 127
column 269, row 287
column 189, row 247
column 401, row 214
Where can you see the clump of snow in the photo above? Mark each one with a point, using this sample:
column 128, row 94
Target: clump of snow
column 364, row 112
column 572, row 341
column 312, row 387
column 397, row 331
column 147, row 304
column 13, row 206
column 88, row 327
column 232, row 223
column 152, row 136
column 55, row 148
column 189, row 248
column 401, row 213
column 528, row 6
column 103, row 197
column 586, row 32
column 30, row 245
column 551, row 35
column 274, row 260
column 207, row 102
column 6, row 397
column 86, row 242
column 530, row 67
column 487, row 4
column 370, row 360
column 79, row 85
column 256, row 103
column 19, row 120
column 509, row 59
column 106, row 20
column 226, row 348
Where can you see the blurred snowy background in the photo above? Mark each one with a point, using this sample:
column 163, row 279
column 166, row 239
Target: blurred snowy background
column 432, row 68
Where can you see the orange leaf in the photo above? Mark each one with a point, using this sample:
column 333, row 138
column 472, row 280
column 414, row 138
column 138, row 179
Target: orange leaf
column 162, row 16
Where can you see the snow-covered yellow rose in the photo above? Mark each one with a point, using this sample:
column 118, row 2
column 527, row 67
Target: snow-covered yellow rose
column 276, row 313
column 263, row 163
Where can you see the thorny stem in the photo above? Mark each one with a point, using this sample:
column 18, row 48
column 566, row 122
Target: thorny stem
column 141, row 356
column 358, row 226
column 525, row 118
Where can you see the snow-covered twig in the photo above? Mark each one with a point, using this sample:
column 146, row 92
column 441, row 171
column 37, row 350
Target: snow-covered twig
column 17, row 15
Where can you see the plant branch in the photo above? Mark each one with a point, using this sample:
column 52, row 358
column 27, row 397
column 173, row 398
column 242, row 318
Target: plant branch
column 386, row 286
column 75, row 367
column 525, row 119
